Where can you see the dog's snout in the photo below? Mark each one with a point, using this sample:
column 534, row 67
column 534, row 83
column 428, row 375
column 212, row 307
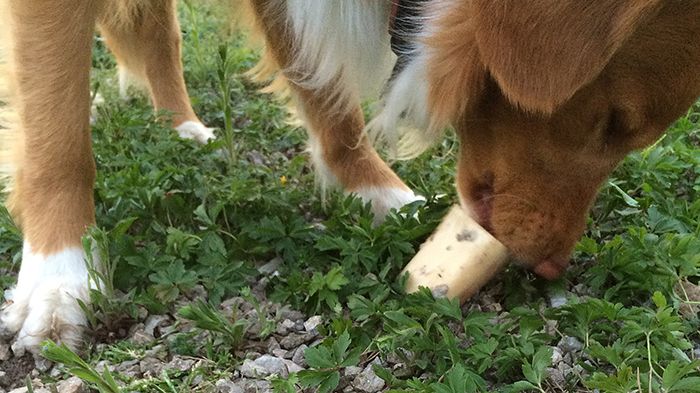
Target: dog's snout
column 482, row 200
column 551, row 269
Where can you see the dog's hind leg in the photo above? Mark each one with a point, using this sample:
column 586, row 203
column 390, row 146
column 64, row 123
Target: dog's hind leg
column 52, row 196
column 144, row 35
column 329, row 51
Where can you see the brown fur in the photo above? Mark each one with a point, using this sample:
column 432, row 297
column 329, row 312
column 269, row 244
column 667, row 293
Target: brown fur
column 547, row 99
column 52, row 193
column 52, row 196
column 345, row 148
column 147, row 42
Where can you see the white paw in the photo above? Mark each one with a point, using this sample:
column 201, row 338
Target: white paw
column 43, row 305
column 196, row 131
column 386, row 198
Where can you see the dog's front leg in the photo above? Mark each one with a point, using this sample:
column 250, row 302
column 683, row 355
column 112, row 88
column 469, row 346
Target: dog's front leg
column 52, row 197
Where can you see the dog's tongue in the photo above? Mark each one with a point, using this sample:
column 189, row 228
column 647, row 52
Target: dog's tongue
column 551, row 270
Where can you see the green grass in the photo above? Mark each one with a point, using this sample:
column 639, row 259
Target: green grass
column 173, row 215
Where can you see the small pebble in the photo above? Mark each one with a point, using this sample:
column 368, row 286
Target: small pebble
column 368, row 381
column 55, row 373
column 264, row 366
column 312, row 323
column 352, row 371
column 570, row 344
column 257, row 386
column 154, row 323
column 557, row 356
column 198, row 379
column 556, row 375
column 255, row 158
column 292, row 367
column 272, row 345
column 286, row 313
column 139, row 335
column 271, row 266
column 125, row 365
column 150, row 367
column 558, row 299
column 280, row 353
column 294, row 340
column 42, row 364
column 4, row 352
column 72, row 385
column 231, row 304
column 181, row 364
column 298, row 356
column 198, row 292
column 159, row 351
column 226, row 386
column 288, row 324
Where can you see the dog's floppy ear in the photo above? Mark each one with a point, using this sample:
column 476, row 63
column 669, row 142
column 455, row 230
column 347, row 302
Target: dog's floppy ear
column 456, row 73
column 541, row 52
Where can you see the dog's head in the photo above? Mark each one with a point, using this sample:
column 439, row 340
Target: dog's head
column 547, row 98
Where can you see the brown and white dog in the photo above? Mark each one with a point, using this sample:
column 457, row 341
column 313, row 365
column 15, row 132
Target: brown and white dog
column 546, row 97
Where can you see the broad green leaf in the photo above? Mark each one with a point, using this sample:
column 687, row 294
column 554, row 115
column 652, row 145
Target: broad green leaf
column 319, row 357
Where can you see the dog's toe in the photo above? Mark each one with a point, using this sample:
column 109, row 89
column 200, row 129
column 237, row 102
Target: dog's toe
column 196, row 131
column 384, row 199
column 12, row 315
column 50, row 312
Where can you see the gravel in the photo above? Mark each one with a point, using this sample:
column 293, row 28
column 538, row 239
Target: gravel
column 4, row 352
column 368, row 381
column 180, row 363
column 264, row 366
column 570, row 344
column 158, row 336
column 70, row 385
column 154, row 323
column 151, row 367
column 294, row 340
column 226, row 386
column 312, row 323
column 298, row 356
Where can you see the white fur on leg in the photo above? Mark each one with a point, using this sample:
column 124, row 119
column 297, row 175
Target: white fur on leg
column 403, row 121
column 383, row 198
column 324, row 177
column 128, row 80
column 345, row 44
column 196, row 131
column 386, row 198
column 43, row 304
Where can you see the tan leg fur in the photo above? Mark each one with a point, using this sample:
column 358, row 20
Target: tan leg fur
column 52, row 199
column 339, row 144
column 145, row 38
